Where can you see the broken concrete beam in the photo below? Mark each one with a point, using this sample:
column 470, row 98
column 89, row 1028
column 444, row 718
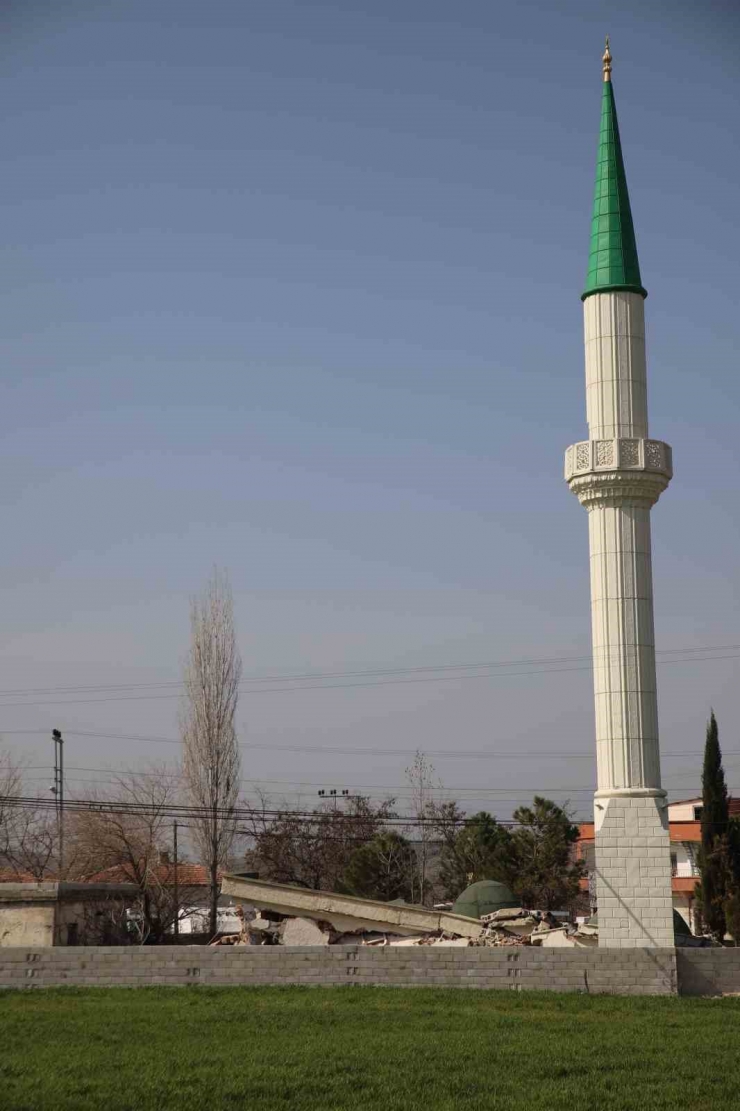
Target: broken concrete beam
column 348, row 913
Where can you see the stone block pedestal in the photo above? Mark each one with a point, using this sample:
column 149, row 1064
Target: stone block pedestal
column 633, row 870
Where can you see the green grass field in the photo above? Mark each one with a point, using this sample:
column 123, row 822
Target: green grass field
column 337, row 1048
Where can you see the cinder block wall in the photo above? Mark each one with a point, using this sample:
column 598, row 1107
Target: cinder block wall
column 708, row 971
column 625, row 971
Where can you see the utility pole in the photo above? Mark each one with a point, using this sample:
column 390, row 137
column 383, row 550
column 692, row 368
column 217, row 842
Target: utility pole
column 177, row 886
column 59, row 793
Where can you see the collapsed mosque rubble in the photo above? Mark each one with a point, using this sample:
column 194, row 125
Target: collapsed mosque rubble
column 347, row 913
column 287, row 915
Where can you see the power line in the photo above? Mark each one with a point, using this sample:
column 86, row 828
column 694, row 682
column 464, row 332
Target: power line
column 235, row 814
column 308, row 683
column 484, row 754
column 402, row 793
column 316, row 675
column 298, row 785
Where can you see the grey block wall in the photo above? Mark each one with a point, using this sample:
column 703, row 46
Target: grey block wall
column 624, row 972
column 708, row 971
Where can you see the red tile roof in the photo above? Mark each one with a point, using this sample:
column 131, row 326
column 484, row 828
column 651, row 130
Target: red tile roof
column 188, row 875
column 9, row 875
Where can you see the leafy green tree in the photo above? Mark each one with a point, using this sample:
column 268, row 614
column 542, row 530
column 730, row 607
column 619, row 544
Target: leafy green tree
column 545, row 874
column 714, row 862
column 473, row 849
column 385, row 868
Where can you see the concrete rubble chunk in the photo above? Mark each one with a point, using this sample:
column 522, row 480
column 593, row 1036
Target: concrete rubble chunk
column 502, row 937
column 558, row 939
column 305, row 931
column 260, row 924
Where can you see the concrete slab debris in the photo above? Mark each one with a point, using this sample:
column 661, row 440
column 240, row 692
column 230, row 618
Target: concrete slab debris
column 348, row 913
column 292, row 916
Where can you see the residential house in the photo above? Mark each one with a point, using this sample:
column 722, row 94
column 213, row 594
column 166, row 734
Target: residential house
column 193, row 902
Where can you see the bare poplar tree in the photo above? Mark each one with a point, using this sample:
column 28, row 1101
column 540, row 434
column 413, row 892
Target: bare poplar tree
column 420, row 777
column 211, row 760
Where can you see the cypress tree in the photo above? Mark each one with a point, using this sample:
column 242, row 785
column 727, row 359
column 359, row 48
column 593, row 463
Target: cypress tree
column 732, row 901
column 715, row 817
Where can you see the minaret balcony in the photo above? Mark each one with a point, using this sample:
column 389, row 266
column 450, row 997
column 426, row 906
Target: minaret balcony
column 618, row 472
column 600, row 456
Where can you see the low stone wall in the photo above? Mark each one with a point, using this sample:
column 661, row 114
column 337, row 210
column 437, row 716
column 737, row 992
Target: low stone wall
column 618, row 971
column 708, row 971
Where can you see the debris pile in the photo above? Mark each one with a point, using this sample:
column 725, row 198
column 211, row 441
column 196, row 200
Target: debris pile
column 281, row 914
column 518, row 926
column 291, row 915
column 255, row 928
column 509, row 927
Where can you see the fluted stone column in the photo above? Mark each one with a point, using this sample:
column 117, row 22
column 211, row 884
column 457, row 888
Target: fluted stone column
column 618, row 474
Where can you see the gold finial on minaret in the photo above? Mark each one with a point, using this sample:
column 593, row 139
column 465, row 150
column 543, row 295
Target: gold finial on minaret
column 607, row 60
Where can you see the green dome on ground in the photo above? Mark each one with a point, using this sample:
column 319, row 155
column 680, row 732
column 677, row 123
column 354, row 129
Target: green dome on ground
column 484, row 897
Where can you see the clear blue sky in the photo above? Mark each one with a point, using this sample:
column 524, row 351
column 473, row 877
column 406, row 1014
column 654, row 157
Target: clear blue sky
column 293, row 288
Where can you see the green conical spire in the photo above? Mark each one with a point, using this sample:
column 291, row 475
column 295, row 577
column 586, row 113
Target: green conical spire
column 612, row 261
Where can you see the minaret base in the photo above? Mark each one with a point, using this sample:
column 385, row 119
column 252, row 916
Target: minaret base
column 633, row 869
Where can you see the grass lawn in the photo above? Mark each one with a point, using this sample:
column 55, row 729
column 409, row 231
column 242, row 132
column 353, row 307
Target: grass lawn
column 204, row 1049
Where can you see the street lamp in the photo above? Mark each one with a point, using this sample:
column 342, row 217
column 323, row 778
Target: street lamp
column 334, row 794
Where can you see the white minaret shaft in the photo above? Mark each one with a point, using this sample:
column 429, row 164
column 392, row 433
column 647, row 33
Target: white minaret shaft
column 619, row 541
column 618, row 475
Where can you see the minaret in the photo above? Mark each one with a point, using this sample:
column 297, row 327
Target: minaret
column 618, row 474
